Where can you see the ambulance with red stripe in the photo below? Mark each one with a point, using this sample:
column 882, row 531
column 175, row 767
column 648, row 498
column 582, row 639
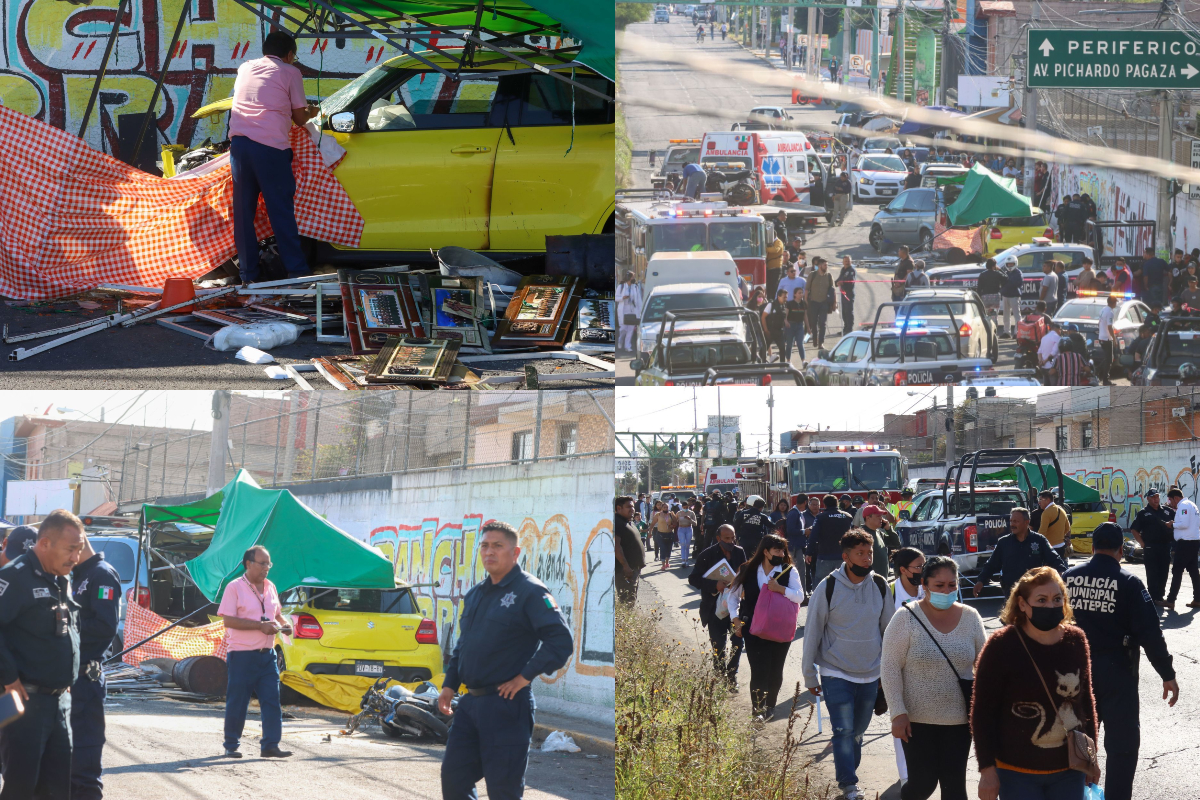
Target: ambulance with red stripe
column 785, row 161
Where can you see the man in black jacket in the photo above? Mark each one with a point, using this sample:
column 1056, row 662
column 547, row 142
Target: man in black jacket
column 714, row 517
column 990, row 282
column 718, row 627
column 1018, row 552
column 752, row 524
column 1117, row 615
column 1153, row 528
column 824, row 548
column 630, row 558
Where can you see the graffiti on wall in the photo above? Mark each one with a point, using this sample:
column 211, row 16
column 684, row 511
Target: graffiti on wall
column 440, row 558
column 52, row 51
column 1125, row 491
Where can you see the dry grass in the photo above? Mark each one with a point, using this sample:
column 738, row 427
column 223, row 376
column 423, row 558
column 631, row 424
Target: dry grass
column 681, row 736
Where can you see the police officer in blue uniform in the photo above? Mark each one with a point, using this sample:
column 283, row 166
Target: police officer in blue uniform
column 1018, row 552
column 1153, row 527
column 511, row 631
column 98, row 593
column 752, row 524
column 1118, row 616
column 39, row 659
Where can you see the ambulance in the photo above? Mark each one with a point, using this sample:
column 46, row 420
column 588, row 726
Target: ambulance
column 785, row 161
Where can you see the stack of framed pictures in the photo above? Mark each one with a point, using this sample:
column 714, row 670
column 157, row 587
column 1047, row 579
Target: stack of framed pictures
column 541, row 313
column 377, row 306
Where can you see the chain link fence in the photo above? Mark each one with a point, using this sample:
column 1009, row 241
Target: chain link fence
column 1123, row 120
column 311, row 436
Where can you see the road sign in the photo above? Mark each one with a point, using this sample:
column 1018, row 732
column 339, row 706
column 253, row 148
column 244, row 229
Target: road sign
column 1194, row 189
column 1081, row 58
column 625, row 465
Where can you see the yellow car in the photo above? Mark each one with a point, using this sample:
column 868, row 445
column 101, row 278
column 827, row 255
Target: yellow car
column 1085, row 518
column 365, row 632
column 493, row 162
column 1005, row 232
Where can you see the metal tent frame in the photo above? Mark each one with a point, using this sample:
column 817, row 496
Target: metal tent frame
column 399, row 29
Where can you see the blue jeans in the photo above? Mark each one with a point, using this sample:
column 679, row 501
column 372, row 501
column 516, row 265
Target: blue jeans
column 793, row 333
column 850, row 708
column 685, row 544
column 258, row 169
column 1065, row 785
column 252, row 671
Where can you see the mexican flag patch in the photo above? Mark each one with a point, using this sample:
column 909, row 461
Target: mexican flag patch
column 106, row 593
column 550, row 604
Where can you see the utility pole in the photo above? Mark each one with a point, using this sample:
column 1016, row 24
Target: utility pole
column 790, row 31
column 771, row 421
column 289, row 458
column 898, row 54
column 219, row 444
column 945, row 81
column 720, row 429
column 809, row 72
column 845, row 41
column 876, row 18
column 1030, row 110
column 1166, row 128
column 950, row 432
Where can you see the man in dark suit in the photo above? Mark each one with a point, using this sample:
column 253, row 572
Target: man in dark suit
column 719, row 627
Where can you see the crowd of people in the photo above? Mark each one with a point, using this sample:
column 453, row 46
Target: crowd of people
column 888, row 633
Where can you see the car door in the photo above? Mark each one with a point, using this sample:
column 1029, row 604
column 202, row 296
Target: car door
column 856, row 370
column 891, row 221
column 554, row 168
column 839, row 362
column 419, row 164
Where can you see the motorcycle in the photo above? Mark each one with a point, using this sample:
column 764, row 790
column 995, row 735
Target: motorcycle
column 736, row 186
column 404, row 712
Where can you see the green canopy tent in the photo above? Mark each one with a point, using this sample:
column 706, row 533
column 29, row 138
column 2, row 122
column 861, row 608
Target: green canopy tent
column 1028, row 476
column 986, row 194
column 306, row 550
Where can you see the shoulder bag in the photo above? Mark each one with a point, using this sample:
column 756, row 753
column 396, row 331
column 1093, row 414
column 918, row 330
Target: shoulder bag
column 1081, row 750
column 965, row 685
column 774, row 614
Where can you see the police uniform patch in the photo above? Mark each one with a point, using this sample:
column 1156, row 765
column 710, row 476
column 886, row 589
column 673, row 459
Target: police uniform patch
column 3, row 586
column 82, row 586
column 508, row 599
column 107, row 593
column 41, row 592
column 550, row 604
column 1146, row 595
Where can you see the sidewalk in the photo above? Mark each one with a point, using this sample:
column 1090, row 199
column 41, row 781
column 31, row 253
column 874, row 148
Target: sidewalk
column 592, row 738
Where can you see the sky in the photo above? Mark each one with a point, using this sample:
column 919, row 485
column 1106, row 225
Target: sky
column 662, row 408
column 176, row 409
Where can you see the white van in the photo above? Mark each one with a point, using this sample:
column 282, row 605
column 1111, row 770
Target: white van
column 705, row 266
column 781, row 159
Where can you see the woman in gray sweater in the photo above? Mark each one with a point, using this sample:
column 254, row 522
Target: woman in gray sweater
column 929, row 647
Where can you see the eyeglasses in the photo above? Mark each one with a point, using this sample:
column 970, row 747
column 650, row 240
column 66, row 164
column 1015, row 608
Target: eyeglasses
column 266, row 564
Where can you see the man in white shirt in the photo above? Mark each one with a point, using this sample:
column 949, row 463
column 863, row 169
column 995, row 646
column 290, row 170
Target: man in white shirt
column 1048, row 349
column 1187, row 546
column 1106, row 340
column 1049, row 290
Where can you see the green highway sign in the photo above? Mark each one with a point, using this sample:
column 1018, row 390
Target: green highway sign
column 1081, row 58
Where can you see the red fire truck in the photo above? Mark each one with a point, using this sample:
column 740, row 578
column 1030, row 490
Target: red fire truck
column 839, row 468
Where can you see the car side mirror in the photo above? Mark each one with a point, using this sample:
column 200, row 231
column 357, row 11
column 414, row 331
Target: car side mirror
column 905, row 515
column 1127, row 361
column 342, row 122
column 823, row 354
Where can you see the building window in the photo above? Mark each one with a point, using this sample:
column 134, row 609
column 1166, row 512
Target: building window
column 1087, row 435
column 522, row 446
column 1012, row 441
column 1062, row 438
column 568, row 439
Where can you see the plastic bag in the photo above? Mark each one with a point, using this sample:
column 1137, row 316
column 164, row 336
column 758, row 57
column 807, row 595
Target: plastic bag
column 559, row 742
column 261, row 335
column 722, row 604
column 1093, row 792
column 254, row 355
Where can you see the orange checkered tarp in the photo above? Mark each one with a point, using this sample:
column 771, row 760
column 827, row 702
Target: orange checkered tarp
column 72, row 218
column 177, row 643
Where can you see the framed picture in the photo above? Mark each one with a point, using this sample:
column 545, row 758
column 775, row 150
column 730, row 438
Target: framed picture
column 456, row 310
column 413, row 360
column 378, row 305
column 541, row 312
column 595, row 319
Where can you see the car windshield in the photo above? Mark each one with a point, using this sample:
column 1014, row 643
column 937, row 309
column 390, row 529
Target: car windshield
column 686, row 155
column 677, row 237
column 1037, row 220
column 704, row 355
column 1181, row 347
column 993, row 503
column 740, row 239
column 345, row 96
column 373, row 601
column 819, row 475
column 915, row 346
column 881, row 143
column 118, row 554
column 938, row 309
column 1080, row 310
column 660, row 304
column 874, row 472
column 882, row 164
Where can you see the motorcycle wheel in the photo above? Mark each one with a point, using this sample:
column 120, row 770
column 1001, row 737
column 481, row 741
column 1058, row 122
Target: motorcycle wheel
column 741, row 194
column 422, row 719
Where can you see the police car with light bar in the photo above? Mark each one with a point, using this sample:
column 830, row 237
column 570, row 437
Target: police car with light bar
column 1084, row 310
column 1029, row 259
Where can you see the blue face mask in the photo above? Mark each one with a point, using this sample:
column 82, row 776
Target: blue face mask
column 942, row 600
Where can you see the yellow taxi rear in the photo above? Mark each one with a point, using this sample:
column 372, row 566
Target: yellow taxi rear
column 368, row 633
column 1085, row 518
column 1004, row 232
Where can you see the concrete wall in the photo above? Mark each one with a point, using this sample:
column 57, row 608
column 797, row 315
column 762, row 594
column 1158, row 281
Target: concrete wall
column 428, row 524
column 1123, row 474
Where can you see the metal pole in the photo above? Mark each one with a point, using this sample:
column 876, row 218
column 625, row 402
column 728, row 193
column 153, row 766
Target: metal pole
column 316, row 437
column 898, row 41
column 162, row 74
column 108, row 48
column 537, row 429
column 278, row 434
column 219, row 442
column 845, row 42
column 1030, row 111
column 408, row 429
column 771, row 420
column 1162, row 233
column 720, row 429
column 876, row 19
column 467, row 431
column 945, row 60
column 950, row 432
column 289, row 452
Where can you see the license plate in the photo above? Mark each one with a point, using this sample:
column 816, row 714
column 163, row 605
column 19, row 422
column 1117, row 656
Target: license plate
column 887, row 191
column 369, row 669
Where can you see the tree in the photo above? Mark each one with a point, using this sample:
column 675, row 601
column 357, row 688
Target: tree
column 656, row 466
column 631, row 12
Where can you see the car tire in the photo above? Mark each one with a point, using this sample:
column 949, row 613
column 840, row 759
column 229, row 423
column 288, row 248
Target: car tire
column 287, row 695
column 877, row 240
column 925, row 239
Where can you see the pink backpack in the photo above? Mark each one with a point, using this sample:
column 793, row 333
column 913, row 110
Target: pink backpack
column 775, row 615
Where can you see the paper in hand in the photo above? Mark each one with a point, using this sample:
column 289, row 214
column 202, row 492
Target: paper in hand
column 721, row 571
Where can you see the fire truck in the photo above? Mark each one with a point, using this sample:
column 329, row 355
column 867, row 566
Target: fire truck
column 853, row 468
column 648, row 226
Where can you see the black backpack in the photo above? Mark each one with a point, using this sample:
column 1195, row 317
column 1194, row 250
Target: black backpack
column 879, row 582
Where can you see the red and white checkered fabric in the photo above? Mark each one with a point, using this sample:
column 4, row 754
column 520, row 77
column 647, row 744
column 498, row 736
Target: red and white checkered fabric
column 177, row 643
column 72, row 218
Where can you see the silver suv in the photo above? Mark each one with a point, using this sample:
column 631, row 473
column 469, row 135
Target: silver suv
column 909, row 219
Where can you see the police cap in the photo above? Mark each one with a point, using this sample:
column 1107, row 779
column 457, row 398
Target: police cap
column 1107, row 536
column 20, row 540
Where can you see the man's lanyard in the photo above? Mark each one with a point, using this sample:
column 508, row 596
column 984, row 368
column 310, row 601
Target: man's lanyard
column 262, row 601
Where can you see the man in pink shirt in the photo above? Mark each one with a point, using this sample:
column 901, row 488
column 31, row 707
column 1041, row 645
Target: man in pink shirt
column 253, row 615
column 268, row 96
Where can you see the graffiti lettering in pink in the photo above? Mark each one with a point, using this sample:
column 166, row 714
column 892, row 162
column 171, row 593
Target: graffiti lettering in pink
column 1127, row 497
column 441, row 561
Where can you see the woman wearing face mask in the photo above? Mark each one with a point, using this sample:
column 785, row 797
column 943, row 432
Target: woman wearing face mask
column 770, row 569
column 1020, row 734
column 929, row 648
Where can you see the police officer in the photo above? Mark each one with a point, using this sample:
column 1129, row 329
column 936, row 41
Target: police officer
column 1018, row 552
column 1153, row 528
column 504, row 620
column 20, row 540
column 98, row 593
column 1117, row 615
column 714, row 518
column 752, row 524
column 39, row 659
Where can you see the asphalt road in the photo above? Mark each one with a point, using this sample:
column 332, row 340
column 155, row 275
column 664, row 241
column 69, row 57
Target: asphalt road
column 1170, row 737
column 652, row 129
column 163, row 748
